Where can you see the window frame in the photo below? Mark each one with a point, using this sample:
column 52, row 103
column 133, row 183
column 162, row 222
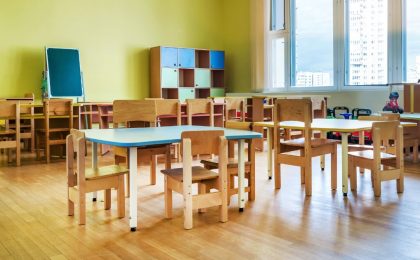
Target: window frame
column 396, row 50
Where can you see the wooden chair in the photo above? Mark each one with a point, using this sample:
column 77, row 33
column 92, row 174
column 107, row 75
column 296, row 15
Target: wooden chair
column 181, row 179
column 233, row 106
column 27, row 126
column 168, row 109
column 411, row 139
column 10, row 138
column 232, row 164
column 200, row 107
column 54, row 132
column 390, row 135
column 300, row 110
column 81, row 181
column 139, row 113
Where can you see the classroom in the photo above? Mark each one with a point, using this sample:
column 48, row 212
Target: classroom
column 210, row 129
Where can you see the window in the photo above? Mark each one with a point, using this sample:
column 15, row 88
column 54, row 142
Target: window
column 313, row 43
column 278, row 63
column 367, row 42
column 277, row 15
column 413, row 40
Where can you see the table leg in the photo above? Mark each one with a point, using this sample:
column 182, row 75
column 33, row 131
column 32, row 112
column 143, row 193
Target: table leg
column 362, row 142
column 344, row 162
column 241, row 174
column 133, row 188
column 270, row 152
column 323, row 135
column 94, row 164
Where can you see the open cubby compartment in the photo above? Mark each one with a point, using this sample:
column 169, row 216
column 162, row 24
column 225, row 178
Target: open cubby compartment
column 217, row 78
column 202, row 58
column 186, row 78
column 170, row 93
column 202, row 92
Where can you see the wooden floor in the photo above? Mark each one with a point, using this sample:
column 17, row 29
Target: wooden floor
column 279, row 224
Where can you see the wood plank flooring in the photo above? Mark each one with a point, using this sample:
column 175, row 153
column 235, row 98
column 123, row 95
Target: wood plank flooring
column 280, row 224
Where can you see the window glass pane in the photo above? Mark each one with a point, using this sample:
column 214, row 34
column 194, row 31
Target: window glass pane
column 277, row 15
column 367, row 43
column 413, row 40
column 314, row 61
column 277, row 63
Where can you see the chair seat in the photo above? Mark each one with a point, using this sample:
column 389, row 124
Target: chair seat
column 368, row 154
column 214, row 163
column 198, row 174
column 106, row 171
column 54, row 130
column 7, row 132
column 315, row 142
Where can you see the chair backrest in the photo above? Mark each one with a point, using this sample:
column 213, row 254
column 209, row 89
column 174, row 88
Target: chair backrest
column 372, row 118
column 126, row 111
column 239, row 125
column 293, row 110
column 203, row 142
column 165, row 107
column 200, row 106
column 388, row 134
column 234, row 105
column 319, row 107
column 391, row 116
column 58, row 107
column 9, row 109
column 75, row 144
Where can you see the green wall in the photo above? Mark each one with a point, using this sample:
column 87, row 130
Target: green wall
column 237, row 45
column 114, row 38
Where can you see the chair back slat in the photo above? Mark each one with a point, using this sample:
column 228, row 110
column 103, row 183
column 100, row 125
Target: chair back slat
column 58, row 107
column 8, row 109
column 239, row 125
column 293, row 110
column 125, row 111
column 203, row 142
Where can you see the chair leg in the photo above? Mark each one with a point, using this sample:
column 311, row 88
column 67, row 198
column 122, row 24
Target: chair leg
column 277, row 175
column 168, row 158
column 202, row 189
column 168, row 199
column 121, row 197
column 302, row 175
column 47, row 150
column 107, row 199
column 334, row 169
column 377, row 182
column 308, row 176
column 70, row 204
column 82, row 208
column 188, row 209
column 352, row 172
column 153, row 163
column 251, row 184
column 416, row 151
column 38, row 152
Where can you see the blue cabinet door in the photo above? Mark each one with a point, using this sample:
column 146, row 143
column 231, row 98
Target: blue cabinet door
column 169, row 57
column 217, row 59
column 186, row 58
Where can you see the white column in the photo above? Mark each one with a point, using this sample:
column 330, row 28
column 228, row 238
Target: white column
column 133, row 188
column 344, row 162
column 94, row 165
column 270, row 152
column 241, row 174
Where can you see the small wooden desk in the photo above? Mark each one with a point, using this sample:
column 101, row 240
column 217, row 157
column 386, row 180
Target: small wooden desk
column 131, row 138
column 345, row 127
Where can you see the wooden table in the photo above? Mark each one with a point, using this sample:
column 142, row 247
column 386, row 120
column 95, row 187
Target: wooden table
column 411, row 116
column 137, row 137
column 345, row 127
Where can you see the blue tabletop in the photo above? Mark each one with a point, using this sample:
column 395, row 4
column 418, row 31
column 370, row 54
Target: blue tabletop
column 135, row 137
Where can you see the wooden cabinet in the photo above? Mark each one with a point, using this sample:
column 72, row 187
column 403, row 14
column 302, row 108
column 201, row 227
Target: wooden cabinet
column 412, row 98
column 202, row 78
column 182, row 73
